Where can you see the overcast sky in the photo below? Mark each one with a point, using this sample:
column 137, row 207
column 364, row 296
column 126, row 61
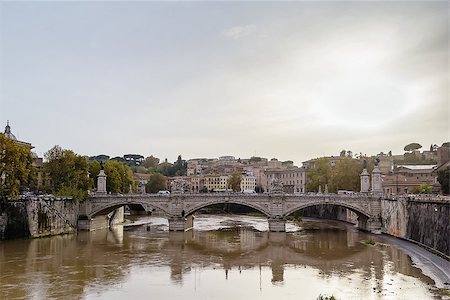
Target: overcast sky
column 292, row 80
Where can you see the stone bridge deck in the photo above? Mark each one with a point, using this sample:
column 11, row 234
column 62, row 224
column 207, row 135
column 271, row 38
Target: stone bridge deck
column 179, row 207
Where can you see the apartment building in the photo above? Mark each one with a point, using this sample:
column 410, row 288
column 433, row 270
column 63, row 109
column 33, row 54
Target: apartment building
column 293, row 179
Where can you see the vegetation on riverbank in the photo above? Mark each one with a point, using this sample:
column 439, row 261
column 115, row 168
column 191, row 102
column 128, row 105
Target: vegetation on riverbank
column 369, row 242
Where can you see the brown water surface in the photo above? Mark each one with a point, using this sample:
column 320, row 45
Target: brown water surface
column 229, row 262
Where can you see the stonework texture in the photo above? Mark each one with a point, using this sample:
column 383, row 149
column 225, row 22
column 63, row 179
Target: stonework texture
column 424, row 221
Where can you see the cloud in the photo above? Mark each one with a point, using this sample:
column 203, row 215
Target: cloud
column 238, row 32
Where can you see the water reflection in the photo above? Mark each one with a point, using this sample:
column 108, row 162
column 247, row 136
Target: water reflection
column 109, row 263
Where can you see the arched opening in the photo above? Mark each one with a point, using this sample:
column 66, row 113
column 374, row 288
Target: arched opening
column 331, row 211
column 221, row 215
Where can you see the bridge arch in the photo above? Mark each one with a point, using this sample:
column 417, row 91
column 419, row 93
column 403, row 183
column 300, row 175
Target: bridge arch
column 356, row 209
column 107, row 207
column 255, row 206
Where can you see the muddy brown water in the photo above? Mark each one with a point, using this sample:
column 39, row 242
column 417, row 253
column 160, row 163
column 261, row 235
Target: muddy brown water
column 219, row 259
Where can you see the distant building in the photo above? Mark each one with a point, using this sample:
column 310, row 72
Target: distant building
column 11, row 136
column 227, row 159
column 248, row 182
column 406, row 179
column 216, row 182
column 443, row 153
column 293, row 179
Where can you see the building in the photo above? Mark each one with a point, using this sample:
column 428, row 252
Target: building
column 437, row 188
column 216, row 182
column 293, row 179
column 248, row 182
column 141, row 179
column 406, row 179
column 11, row 136
column 197, row 182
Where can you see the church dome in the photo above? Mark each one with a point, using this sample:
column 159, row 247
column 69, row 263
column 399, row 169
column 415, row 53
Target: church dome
column 8, row 132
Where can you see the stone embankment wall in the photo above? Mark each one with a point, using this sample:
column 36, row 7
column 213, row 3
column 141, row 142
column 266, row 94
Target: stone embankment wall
column 37, row 217
column 13, row 220
column 425, row 221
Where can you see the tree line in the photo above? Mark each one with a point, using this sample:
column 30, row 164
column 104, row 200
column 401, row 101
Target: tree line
column 66, row 173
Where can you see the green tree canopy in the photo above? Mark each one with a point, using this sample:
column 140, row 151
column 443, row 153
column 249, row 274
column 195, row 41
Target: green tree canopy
column 15, row 167
column 68, row 173
column 412, row 147
column 94, row 170
column 157, row 182
column 150, row 162
column 444, row 180
column 119, row 177
column 178, row 168
column 234, row 182
column 319, row 175
column 345, row 175
column 423, row 189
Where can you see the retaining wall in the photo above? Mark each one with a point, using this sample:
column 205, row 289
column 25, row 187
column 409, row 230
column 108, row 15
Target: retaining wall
column 426, row 222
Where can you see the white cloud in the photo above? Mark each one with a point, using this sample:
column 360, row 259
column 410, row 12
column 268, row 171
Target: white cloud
column 238, row 32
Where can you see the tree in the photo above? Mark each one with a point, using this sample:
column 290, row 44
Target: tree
column 150, row 162
column 423, row 189
column 165, row 168
column 234, row 182
column 342, row 154
column 444, row 180
column 156, row 182
column 255, row 159
column 180, row 167
column 15, row 167
column 345, row 175
column 412, row 147
column 319, row 175
column 349, row 153
column 118, row 177
column 94, row 170
column 68, row 173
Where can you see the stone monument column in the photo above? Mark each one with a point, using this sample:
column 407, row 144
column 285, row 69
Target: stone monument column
column 101, row 182
column 377, row 188
column 365, row 181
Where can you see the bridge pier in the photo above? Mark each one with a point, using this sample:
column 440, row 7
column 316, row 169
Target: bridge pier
column 177, row 223
column 277, row 224
column 101, row 221
column 372, row 225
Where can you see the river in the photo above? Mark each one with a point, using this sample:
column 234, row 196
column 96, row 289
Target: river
column 224, row 257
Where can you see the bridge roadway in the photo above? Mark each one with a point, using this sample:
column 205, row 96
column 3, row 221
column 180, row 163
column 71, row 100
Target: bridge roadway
column 179, row 208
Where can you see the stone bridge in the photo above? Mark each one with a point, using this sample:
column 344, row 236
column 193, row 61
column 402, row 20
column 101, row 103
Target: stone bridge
column 179, row 208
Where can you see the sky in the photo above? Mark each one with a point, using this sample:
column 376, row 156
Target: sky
column 291, row 80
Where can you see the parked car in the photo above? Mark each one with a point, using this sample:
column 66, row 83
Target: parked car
column 164, row 193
